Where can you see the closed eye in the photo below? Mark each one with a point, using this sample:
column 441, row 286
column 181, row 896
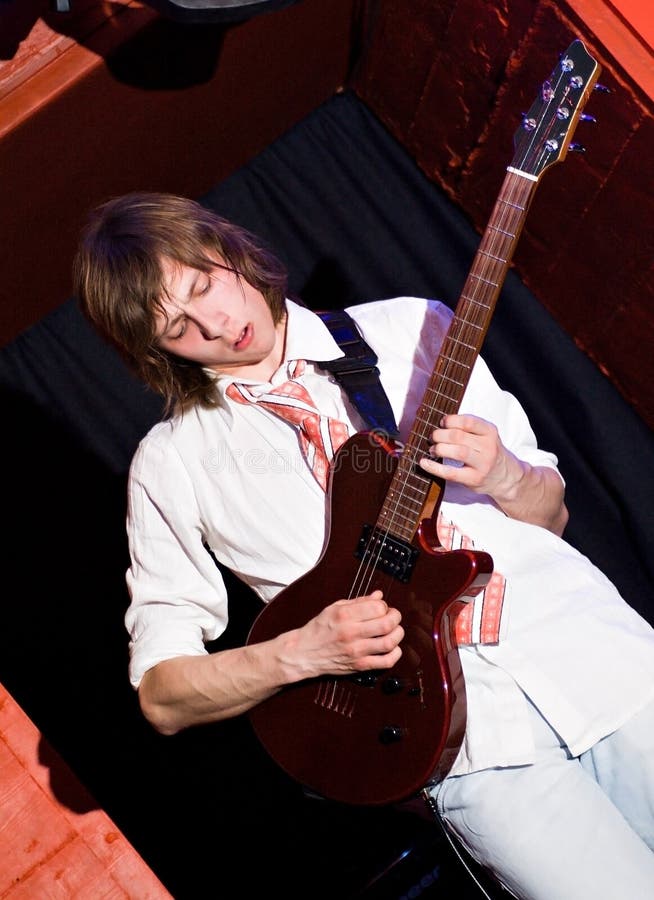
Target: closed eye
column 180, row 331
column 200, row 289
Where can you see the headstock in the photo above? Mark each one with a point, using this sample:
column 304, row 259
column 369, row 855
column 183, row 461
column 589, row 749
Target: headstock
column 544, row 136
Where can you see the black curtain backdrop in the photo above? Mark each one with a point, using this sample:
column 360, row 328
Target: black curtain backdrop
column 355, row 220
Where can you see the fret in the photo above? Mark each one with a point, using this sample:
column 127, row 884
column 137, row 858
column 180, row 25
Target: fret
column 401, row 520
column 501, row 230
column 450, row 398
column 452, row 380
column 514, row 205
column 464, row 344
column 498, row 258
column 474, row 275
column 474, row 299
column 408, row 488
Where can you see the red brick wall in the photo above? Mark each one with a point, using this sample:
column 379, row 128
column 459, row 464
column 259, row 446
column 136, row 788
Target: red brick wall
column 450, row 80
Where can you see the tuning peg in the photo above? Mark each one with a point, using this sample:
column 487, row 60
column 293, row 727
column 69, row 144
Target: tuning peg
column 577, row 148
column 602, row 88
column 586, row 117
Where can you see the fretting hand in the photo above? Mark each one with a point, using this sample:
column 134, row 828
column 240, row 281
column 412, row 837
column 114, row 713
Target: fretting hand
column 478, row 459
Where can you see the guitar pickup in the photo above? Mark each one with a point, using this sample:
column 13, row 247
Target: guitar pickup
column 390, row 554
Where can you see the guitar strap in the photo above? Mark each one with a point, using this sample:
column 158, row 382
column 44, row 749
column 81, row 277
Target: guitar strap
column 357, row 372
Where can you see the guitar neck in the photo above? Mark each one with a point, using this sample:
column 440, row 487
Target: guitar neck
column 411, row 487
column 476, row 305
column 541, row 141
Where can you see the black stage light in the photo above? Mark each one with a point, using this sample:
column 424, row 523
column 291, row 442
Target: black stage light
column 203, row 11
column 199, row 11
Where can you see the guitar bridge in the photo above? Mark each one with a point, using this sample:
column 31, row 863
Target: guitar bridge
column 390, row 554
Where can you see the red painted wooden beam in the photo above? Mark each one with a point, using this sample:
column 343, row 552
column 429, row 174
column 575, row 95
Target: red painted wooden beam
column 58, row 843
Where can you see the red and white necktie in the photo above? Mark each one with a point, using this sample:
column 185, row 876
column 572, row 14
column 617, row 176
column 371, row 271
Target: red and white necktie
column 320, row 436
column 477, row 621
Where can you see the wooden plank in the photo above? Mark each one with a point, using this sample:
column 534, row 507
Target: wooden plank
column 615, row 25
column 48, row 61
column 57, row 843
column 637, row 16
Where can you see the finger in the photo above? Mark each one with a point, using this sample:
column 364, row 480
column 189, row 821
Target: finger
column 377, row 647
column 381, row 627
column 466, row 422
column 369, row 605
column 380, row 660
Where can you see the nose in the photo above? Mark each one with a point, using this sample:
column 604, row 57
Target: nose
column 211, row 323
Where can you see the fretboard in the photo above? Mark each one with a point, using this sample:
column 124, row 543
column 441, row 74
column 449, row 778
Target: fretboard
column 411, row 487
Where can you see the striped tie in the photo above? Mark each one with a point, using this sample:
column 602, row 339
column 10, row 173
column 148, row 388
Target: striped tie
column 478, row 621
column 320, row 436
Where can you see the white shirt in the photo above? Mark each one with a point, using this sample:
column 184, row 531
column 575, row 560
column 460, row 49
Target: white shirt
column 234, row 479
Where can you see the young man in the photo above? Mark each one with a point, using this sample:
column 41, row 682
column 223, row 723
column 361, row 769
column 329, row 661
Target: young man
column 553, row 788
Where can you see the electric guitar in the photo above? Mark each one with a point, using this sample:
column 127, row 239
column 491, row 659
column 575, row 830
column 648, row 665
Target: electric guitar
column 380, row 737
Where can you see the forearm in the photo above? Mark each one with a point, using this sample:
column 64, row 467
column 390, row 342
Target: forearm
column 192, row 690
column 346, row 636
column 533, row 494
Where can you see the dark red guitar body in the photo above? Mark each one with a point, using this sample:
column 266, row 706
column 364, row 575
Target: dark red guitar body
column 378, row 738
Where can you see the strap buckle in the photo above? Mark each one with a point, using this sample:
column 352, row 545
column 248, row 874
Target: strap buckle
column 357, row 372
column 359, row 356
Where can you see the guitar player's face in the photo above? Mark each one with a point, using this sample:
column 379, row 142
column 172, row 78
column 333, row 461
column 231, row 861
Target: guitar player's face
column 218, row 320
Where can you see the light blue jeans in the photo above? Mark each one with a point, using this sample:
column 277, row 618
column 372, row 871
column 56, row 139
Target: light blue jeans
column 564, row 828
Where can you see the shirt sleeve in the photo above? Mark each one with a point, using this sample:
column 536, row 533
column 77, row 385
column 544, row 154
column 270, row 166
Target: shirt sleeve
column 485, row 398
column 178, row 597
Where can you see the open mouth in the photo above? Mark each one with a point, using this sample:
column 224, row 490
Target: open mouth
column 244, row 338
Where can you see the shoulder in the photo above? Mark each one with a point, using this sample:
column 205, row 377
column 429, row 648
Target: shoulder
column 408, row 310
column 403, row 323
column 153, row 449
column 163, row 445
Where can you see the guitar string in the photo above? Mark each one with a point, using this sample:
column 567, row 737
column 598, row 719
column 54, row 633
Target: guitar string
column 491, row 258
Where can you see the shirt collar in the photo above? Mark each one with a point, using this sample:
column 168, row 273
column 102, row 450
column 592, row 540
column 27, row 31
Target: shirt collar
column 307, row 337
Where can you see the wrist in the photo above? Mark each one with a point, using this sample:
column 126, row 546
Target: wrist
column 511, row 486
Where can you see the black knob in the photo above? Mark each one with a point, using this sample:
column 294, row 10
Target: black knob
column 390, row 734
column 365, row 679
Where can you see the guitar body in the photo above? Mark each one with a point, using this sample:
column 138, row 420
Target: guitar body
column 378, row 737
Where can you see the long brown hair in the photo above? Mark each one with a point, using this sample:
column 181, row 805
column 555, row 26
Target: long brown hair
column 119, row 283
